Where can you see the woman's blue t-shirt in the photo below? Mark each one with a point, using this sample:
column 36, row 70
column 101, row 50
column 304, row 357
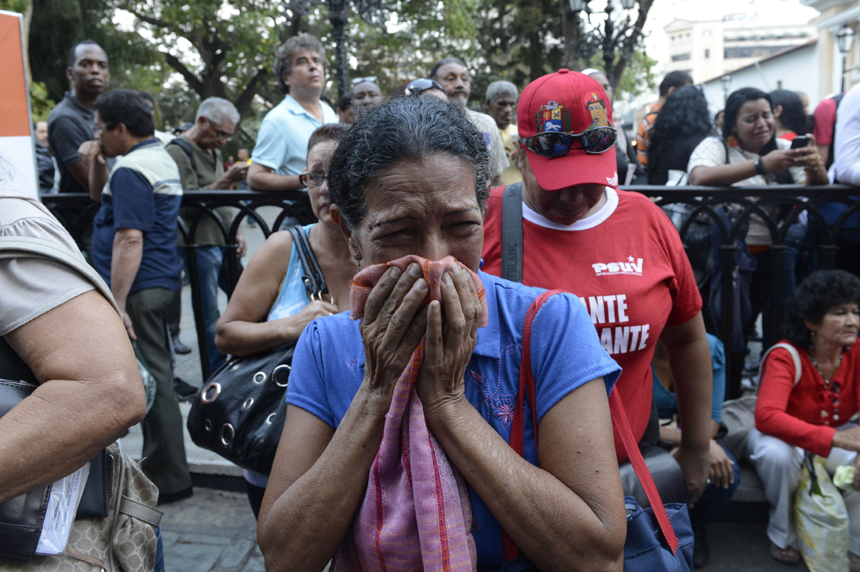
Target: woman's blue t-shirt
column 328, row 368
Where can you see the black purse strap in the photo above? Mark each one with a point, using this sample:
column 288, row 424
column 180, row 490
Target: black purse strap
column 313, row 276
column 512, row 233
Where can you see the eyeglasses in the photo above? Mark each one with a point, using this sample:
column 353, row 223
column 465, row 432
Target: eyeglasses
column 307, row 180
column 358, row 80
column 594, row 141
column 419, row 86
column 223, row 135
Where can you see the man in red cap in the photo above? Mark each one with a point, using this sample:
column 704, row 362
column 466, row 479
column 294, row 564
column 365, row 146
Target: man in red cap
column 616, row 250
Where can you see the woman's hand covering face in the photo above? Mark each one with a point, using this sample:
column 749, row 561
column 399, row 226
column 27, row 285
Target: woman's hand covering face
column 449, row 342
column 393, row 324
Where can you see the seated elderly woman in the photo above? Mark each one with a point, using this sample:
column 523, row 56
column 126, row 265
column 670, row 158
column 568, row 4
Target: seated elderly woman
column 411, row 179
column 812, row 413
column 270, row 305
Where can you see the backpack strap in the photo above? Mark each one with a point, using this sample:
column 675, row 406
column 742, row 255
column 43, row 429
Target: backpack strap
column 185, row 146
column 795, row 357
column 512, row 233
column 27, row 247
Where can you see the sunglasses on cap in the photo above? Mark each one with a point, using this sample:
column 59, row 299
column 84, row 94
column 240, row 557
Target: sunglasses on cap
column 594, row 141
column 419, row 86
column 358, row 80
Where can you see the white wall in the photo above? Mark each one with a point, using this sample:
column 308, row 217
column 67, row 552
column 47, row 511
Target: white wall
column 798, row 71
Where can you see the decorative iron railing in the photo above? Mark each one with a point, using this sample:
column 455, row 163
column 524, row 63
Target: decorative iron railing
column 76, row 211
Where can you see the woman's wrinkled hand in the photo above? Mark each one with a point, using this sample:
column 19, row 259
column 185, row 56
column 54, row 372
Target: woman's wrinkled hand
column 720, row 473
column 393, row 324
column 314, row 310
column 449, row 345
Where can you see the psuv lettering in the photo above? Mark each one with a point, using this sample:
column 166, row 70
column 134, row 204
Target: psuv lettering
column 620, row 267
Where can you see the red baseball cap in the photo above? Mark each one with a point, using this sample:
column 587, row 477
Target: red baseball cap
column 567, row 102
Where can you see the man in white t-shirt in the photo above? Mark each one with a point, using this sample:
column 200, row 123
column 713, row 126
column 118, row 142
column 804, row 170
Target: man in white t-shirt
column 282, row 142
column 452, row 74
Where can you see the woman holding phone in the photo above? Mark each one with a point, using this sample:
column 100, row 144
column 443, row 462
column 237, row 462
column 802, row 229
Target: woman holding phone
column 750, row 154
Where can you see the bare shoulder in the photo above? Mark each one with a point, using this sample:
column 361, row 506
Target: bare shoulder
column 275, row 251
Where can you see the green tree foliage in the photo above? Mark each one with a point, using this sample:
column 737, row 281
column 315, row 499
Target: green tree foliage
column 40, row 104
column 219, row 48
column 183, row 52
column 638, row 75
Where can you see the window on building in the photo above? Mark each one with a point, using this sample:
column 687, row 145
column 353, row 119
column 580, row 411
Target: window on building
column 707, row 54
column 681, row 57
column 750, row 51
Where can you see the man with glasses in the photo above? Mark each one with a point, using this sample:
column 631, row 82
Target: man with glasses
column 452, row 74
column 282, row 141
column 198, row 156
column 616, row 250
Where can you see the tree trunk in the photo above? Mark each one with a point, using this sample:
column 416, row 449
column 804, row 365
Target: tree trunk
column 571, row 32
column 629, row 42
column 609, row 48
column 338, row 19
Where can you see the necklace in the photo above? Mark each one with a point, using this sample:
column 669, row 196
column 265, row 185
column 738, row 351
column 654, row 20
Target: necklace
column 831, row 387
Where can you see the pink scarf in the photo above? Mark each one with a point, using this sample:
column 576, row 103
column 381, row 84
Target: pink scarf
column 416, row 513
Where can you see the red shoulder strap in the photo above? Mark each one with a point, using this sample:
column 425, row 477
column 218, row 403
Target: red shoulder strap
column 527, row 387
column 619, row 418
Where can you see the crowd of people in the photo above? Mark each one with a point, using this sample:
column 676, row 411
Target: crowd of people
column 417, row 196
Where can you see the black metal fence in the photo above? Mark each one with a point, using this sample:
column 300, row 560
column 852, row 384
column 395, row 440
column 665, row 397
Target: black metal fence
column 708, row 204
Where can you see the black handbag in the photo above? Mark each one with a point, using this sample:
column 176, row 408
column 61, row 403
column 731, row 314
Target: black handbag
column 239, row 412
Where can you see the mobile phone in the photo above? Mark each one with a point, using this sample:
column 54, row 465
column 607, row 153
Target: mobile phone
column 799, row 142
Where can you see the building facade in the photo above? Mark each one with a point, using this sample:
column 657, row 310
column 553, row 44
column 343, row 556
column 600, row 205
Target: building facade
column 836, row 69
column 709, row 48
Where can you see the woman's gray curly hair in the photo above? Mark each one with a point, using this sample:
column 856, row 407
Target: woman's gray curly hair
column 405, row 129
column 284, row 56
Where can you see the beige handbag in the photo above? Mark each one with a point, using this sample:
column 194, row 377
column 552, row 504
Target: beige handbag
column 123, row 541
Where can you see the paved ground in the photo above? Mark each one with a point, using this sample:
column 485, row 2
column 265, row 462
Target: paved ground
column 214, row 531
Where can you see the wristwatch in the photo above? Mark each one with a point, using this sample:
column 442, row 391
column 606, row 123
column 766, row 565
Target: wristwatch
column 759, row 167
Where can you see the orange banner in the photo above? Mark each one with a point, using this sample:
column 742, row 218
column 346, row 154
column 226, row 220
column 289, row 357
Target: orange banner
column 14, row 107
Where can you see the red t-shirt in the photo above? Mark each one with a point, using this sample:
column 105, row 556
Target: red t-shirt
column 796, row 413
column 626, row 264
column 825, row 120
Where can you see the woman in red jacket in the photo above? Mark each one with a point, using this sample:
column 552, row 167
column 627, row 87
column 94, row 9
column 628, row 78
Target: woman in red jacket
column 812, row 413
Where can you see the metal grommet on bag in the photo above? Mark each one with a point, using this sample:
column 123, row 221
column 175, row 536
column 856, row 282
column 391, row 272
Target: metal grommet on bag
column 210, row 392
column 259, row 377
column 270, row 418
column 227, row 434
column 248, row 403
column 207, row 425
column 282, row 371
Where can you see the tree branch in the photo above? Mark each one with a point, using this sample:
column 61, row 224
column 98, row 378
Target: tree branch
column 149, row 20
column 190, row 77
column 243, row 102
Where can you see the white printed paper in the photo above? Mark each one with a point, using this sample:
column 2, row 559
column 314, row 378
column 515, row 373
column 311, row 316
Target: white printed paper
column 63, row 504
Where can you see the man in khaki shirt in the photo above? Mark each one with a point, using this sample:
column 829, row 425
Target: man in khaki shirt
column 197, row 154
